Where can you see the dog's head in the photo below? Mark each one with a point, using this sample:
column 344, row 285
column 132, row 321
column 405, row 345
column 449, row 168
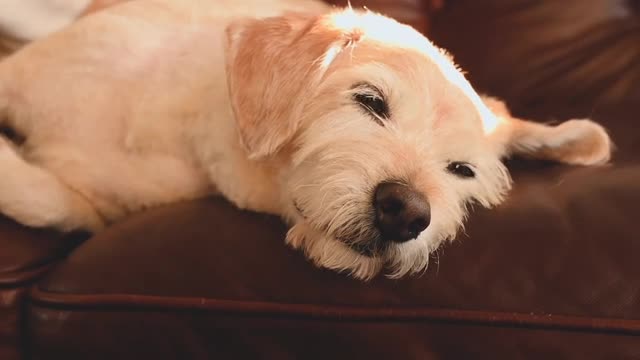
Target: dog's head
column 385, row 141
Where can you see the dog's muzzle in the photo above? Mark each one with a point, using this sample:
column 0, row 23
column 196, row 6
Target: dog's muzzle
column 400, row 215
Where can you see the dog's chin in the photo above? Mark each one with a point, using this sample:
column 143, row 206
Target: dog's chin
column 369, row 248
column 331, row 253
column 361, row 260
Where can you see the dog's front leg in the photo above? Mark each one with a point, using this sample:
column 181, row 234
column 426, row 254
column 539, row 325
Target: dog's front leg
column 35, row 197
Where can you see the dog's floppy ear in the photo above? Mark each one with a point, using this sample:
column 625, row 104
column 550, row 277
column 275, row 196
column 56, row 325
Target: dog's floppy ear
column 579, row 142
column 272, row 70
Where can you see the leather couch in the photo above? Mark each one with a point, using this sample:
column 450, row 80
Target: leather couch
column 552, row 273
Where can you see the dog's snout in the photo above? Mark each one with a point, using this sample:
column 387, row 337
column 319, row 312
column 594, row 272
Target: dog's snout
column 401, row 212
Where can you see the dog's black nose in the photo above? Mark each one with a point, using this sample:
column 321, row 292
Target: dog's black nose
column 401, row 212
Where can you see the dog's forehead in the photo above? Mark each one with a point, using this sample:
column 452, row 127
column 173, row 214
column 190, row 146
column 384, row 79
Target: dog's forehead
column 394, row 56
column 417, row 82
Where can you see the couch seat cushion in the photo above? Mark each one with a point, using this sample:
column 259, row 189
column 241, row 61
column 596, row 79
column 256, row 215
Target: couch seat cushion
column 556, row 263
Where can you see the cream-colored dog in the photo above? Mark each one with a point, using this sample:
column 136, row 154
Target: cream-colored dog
column 352, row 127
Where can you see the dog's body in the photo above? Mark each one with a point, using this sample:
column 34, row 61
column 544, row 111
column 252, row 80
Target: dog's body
column 140, row 88
column 156, row 101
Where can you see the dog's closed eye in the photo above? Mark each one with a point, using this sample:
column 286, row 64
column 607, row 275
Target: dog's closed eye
column 461, row 169
column 372, row 100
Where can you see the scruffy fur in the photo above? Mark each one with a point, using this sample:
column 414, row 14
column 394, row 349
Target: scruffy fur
column 171, row 100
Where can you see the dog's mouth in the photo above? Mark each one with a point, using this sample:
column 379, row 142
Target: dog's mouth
column 299, row 209
column 369, row 247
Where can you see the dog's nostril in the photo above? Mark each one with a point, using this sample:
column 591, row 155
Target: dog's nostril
column 391, row 206
column 417, row 225
column 401, row 212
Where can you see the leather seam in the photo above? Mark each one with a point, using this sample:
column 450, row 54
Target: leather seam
column 105, row 302
column 22, row 277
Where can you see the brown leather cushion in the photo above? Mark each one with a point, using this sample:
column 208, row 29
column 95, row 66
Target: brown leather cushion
column 552, row 273
column 559, row 254
column 566, row 231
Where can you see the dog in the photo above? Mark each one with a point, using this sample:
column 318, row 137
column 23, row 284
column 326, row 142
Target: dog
column 355, row 129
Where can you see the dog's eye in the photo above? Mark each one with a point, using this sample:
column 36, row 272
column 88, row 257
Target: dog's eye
column 461, row 169
column 372, row 101
column 374, row 104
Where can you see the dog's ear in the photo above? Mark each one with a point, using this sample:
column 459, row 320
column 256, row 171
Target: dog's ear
column 272, row 69
column 579, row 142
